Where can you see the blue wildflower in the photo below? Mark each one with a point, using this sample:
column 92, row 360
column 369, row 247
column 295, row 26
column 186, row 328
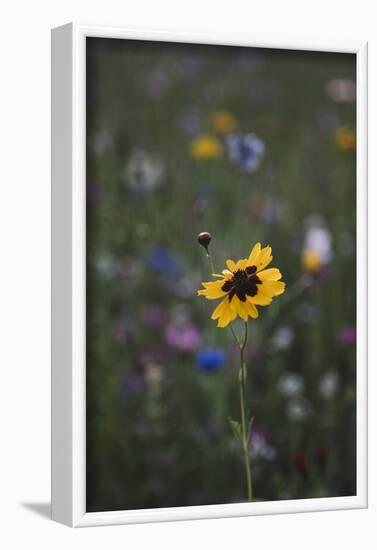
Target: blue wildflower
column 164, row 261
column 245, row 151
column 210, row 359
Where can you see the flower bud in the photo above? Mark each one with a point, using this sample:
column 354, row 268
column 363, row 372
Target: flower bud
column 204, row 239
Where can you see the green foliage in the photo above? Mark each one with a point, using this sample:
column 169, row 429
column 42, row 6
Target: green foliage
column 158, row 412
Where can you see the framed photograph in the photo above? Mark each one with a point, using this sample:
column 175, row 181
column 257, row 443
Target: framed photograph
column 209, row 281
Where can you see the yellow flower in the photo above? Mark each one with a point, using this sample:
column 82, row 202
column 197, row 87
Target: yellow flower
column 206, row 147
column 223, row 122
column 345, row 139
column 243, row 286
column 311, row 261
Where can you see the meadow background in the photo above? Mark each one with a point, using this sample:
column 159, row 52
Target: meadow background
column 251, row 145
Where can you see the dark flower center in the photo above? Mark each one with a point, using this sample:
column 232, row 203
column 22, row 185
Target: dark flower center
column 243, row 282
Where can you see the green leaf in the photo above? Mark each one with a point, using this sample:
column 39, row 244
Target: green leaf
column 236, row 428
column 251, row 421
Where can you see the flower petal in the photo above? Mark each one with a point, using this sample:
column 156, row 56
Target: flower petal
column 231, row 265
column 238, row 307
column 264, row 259
column 260, row 299
column 241, row 264
column 212, row 290
column 271, row 288
column 244, row 309
column 218, row 311
column 226, row 273
column 272, row 274
column 254, row 255
column 265, row 293
column 251, row 310
column 227, row 315
column 278, row 287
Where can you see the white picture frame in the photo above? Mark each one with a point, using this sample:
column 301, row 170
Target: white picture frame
column 68, row 278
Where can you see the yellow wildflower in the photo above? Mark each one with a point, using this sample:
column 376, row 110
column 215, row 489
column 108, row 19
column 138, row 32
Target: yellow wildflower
column 243, row 286
column 311, row 261
column 223, row 122
column 345, row 139
column 206, row 147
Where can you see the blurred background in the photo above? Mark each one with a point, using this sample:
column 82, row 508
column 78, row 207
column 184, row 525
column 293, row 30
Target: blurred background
column 251, row 145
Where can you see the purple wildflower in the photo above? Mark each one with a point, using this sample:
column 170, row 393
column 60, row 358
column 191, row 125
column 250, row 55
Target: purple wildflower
column 347, row 336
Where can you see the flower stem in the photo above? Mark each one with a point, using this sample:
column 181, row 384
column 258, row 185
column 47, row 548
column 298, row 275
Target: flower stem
column 210, row 262
column 235, row 335
column 244, row 427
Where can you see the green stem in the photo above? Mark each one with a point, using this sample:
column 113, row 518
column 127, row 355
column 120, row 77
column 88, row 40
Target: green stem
column 210, row 262
column 235, row 335
column 244, row 428
column 243, row 419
